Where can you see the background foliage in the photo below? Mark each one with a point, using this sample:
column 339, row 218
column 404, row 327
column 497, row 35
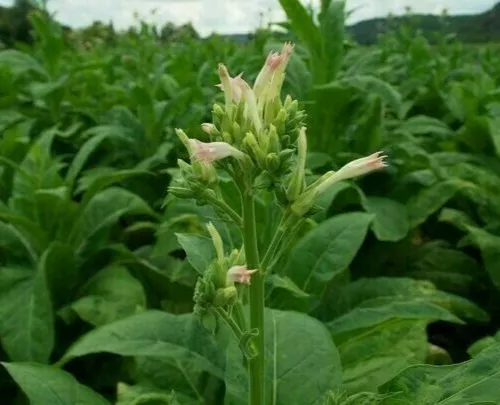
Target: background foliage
column 390, row 293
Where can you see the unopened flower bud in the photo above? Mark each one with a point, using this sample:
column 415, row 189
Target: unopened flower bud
column 217, row 241
column 181, row 192
column 209, row 128
column 297, row 179
column 274, row 140
column 251, row 142
column 226, row 296
column 272, row 162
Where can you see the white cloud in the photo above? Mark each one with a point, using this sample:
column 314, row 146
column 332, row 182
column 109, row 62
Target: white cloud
column 231, row 16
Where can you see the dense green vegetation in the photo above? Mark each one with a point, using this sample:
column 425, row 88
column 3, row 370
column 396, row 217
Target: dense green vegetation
column 387, row 292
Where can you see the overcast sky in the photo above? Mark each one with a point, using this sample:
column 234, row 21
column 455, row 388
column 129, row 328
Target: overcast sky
column 231, row 16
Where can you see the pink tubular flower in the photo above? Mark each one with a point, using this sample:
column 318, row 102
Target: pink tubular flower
column 239, row 274
column 212, row 151
column 355, row 168
column 275, row 65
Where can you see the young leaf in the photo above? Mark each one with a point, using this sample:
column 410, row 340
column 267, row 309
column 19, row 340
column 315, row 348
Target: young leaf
column 45, row 385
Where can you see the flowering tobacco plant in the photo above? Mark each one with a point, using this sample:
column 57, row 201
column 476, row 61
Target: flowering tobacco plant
column 261, row 143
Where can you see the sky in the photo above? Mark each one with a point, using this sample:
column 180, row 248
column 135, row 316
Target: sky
column 232, row 16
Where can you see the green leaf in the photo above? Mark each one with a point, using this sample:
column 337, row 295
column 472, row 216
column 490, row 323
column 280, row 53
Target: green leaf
column 332, row 33
column 178, row 339
column 80, row 159
column 12, row 241
column 104, row 209
column 45, row 385
column 390, row 223
column 200, row 251
column 374, row 85
column 112, row 294
column 472, row 382
column 360, row 318
column 327, row 250
column 423, row 125
column 285, row 283
column 26, row 318
column 289, row 379
column 371, row 357
column 489, row 245
column 430, row 200
column 303, row 25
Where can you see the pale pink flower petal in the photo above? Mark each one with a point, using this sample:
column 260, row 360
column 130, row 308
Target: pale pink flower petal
column 239, row 274
column 212, row 151
column 355, row 168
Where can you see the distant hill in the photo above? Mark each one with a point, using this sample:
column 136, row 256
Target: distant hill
column 472, row 28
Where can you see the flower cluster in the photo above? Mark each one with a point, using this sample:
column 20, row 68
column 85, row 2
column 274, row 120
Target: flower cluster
column 261, row 142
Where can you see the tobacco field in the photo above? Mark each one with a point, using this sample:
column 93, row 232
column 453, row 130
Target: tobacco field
column 386, row 291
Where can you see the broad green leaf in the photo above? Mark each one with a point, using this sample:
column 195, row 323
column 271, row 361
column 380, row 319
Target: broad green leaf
column 26, row 318
column 430, row 200
column 361, row 317
column 112, row 294
column 15, row 244
column 200, row 251
column 104, row 209
column 379, row 291
column 178, row 339
column 44, row 385
column 422, row 125
column 373, row 356
column 472, row 382
column 374, row 85
column 390, row 223
column 289, row 379
column 82, row 156
column 489, row 245
column 327, row 250
column 276, row 281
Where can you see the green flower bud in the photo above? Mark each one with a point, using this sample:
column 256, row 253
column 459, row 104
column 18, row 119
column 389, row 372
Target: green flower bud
column 274, row 140
column 251, row 143
column 272, row 162
column 297, row 179
column 237, row 134
column 226, row 137
column 263, row 181
column 226, row 296
column 304, row 203
column 181, row 192
column 217, row 241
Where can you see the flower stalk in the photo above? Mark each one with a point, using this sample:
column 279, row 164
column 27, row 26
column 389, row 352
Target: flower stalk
column 261, row 143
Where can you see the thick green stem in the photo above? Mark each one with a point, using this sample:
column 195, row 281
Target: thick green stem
column 257, row 364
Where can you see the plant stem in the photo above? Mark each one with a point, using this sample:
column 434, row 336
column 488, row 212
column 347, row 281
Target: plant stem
column 220, row 203
column 257, row 364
